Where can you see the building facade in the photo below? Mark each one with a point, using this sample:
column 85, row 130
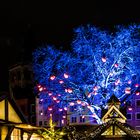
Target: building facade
column 13, row 125
column 21, row 88
column 133, row 111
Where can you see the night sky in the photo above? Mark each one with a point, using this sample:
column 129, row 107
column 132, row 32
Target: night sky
column 25, row 26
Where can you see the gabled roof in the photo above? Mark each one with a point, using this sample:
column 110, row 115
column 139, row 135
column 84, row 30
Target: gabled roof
column 125, row 128
column 7, row 97
column 116, row 110
column 113, row 99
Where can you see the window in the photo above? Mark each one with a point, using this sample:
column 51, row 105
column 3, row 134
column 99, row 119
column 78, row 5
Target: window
column 40, row 123
column 137, row 116
column 137, row 127
column 33, row 119
column 45, row 122
column 32, row 108
column 129, row 103
column 40, row 102
column 73, row 119
column 41, row 112
column 129, row 116
column 27, row 74
column 18, row 75
column 137, row 103
column 82, row 119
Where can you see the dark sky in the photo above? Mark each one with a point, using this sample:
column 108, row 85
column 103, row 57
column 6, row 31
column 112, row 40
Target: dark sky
column 27, row 25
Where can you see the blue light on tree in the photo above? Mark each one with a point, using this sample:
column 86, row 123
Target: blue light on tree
column 100, row 64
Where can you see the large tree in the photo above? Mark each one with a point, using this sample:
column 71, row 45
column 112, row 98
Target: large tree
column 98, row 65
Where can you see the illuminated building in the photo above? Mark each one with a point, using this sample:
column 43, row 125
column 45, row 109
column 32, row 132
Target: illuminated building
column 13, row 125
column 133, row 111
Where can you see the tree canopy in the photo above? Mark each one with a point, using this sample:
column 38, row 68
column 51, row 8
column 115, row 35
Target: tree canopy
column 99, row 64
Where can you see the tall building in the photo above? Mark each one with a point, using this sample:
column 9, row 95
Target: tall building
column 21, row 88
column 133, row 111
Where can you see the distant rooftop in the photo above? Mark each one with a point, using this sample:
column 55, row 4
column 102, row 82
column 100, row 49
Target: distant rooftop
column 113, row 99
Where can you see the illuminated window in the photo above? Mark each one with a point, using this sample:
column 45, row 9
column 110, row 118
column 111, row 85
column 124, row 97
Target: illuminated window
column 73, row 119
column 129, row 116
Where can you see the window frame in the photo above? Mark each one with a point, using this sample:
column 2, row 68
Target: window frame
column 136, row 103
column 136, row 116
column 131, row 116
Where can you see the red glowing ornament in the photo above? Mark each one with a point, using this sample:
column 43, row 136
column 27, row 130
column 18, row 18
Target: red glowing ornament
column 104, row 59
column 49, row 108
column 136, row 85
column 52, row 77
column 41, row 89
column 117, row 82
column 61, row 81
column 127, row 90
column 69, row 90
column 57, row 101
column 89, row 95
column 50, row 93
column 39, row 86
column 95, row 88
column 54, row 98
column 95, row 93
column 137, row 93
column 78, row 102
column 88, row 106
column 116, row 65
column 66, row 75
column 71, row 104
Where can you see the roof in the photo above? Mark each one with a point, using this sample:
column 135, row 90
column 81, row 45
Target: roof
column 84, row 132
column 116, row 114
column 123, row 126
column 7, row 96
column 113, row 99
